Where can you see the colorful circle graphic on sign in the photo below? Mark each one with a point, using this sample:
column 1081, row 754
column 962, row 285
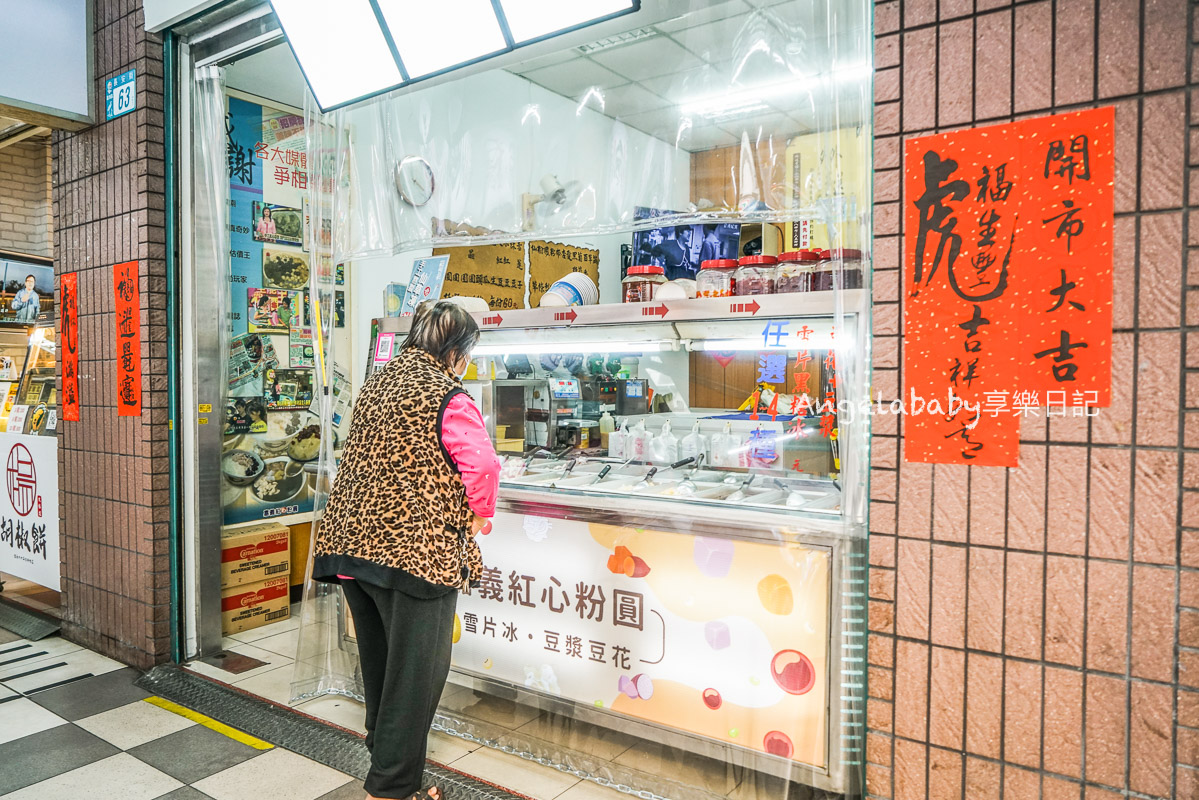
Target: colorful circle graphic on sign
column 22, row 479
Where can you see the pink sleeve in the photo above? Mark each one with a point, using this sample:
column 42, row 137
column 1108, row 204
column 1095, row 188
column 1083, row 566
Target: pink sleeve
column 465, row 437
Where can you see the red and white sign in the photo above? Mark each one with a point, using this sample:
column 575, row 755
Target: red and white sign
column 29, row 509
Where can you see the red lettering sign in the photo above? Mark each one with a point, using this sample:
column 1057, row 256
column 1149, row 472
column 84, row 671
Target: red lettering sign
column 129, row 339
column 69, row 335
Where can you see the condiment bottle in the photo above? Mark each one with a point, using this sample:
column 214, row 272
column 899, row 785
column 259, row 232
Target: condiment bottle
column 641, row 282
column 794, row 272
column 755, row 275
column 715, row 278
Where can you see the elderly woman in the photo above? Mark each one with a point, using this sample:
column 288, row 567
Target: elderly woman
column 418, row 479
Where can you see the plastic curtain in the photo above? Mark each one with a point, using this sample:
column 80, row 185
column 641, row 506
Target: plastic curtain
column 720, row 112
column 326, row 658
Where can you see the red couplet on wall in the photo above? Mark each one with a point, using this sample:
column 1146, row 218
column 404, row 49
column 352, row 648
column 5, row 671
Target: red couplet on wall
column 1007, row 282
column 69, row 336
column 129, row 340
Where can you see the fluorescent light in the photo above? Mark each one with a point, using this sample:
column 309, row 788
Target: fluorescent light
column 476, row 33
column 815, row 341
column 340, row 47
column 533, row 19
column 542, row 348
column 750, row 99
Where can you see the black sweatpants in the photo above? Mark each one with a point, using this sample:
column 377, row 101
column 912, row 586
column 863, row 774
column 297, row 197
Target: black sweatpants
column 404, row 647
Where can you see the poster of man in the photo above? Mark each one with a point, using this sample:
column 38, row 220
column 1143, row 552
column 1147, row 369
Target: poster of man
column 26, row 286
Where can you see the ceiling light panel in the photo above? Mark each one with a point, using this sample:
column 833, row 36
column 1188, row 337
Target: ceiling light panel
column 476, row 33
column 535, row 19
column 340, row 48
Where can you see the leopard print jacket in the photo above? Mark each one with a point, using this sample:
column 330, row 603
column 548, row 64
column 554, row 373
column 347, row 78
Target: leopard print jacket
column 398, row 502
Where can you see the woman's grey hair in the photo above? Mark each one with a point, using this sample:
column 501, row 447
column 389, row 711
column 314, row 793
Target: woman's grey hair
column 444, row 330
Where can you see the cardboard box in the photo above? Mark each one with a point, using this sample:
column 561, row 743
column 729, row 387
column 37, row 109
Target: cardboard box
column 254, row 554
column 244, row 608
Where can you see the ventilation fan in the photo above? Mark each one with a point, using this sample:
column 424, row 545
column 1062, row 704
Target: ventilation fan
column 555, row 196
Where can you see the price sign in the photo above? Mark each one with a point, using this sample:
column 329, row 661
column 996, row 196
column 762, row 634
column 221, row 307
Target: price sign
column 120, row 94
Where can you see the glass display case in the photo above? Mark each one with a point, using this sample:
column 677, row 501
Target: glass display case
column 681, row 462
column 28, row 361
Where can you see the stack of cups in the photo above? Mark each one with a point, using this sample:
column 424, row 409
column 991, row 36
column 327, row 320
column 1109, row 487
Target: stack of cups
column 576, row 289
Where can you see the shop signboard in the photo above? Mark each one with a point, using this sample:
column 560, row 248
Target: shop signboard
column 1007, row 282
column 722, row 638
column 29, row 509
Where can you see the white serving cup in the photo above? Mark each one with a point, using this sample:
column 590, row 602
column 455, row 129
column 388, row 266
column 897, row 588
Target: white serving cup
column 575, row 289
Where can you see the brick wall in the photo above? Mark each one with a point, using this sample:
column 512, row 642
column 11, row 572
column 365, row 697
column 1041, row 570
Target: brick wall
column 25, row 198
column 114, row 471
column 1031, row 628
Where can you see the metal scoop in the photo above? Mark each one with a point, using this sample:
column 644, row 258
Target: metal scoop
column 687, row 486
column 740, row 494
column 647, row 481
column 794, row 498
column 565, row 471
column 603, row 473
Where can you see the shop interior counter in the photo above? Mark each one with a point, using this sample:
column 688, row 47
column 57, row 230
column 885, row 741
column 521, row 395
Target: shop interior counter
column 671, row 521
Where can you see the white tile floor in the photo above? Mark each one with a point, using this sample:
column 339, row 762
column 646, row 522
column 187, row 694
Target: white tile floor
column 23, row 717
column 120, row 776
column 276, row 645
column 272, row 776
column 130, row 725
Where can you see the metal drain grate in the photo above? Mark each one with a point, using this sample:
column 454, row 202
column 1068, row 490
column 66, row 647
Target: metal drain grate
column 25, row 622
column 334, row 747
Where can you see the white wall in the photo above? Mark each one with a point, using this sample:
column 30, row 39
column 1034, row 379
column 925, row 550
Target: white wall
column 490, row 138
column 454, row 126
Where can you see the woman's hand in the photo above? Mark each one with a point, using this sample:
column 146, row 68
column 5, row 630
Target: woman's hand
column 479, row 525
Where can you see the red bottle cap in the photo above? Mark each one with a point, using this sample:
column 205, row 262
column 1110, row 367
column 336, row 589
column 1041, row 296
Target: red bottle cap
column 848, row 255
column 646, row 269
column 719, row 263
column 749, row 261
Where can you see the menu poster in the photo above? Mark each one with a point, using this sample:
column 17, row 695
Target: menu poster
column 494, row 273
column 70, row 346
column 1007, row 282
column 249, row 357
column 428, row 276
column 129, row 340
column 550, row 261
column 341, row 393
column 287, row 388
column 302, row 353
column 16, row 419
column 272, row 310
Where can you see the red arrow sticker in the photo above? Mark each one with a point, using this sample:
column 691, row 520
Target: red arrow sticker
column 496, row 320
column 565, row 316
column 655, row 311
column 740, row 308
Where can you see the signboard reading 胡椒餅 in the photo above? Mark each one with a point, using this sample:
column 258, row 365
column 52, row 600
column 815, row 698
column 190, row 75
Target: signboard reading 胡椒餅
column 29, row 509
column 1007, row 282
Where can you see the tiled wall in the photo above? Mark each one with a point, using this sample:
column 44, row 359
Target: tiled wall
column 1031, row 628
column 113, row 471
column 25, row 198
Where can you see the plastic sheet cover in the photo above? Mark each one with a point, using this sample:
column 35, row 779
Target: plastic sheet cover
column 692, row 113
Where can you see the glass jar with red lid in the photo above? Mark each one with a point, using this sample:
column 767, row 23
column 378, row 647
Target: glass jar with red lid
column 794, row 271
column 822, row 272
column 641, row 282
column 847, row 265
column 715, row 278
column 755, row 275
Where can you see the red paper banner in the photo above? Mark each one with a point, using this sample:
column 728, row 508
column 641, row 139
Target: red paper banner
column 69, row 335
column 129, row 340
column 1008, row 282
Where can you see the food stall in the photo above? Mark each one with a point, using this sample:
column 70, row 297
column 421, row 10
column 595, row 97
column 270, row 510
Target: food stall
column 671, row 578
column 661, row 221
column 28, row 427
